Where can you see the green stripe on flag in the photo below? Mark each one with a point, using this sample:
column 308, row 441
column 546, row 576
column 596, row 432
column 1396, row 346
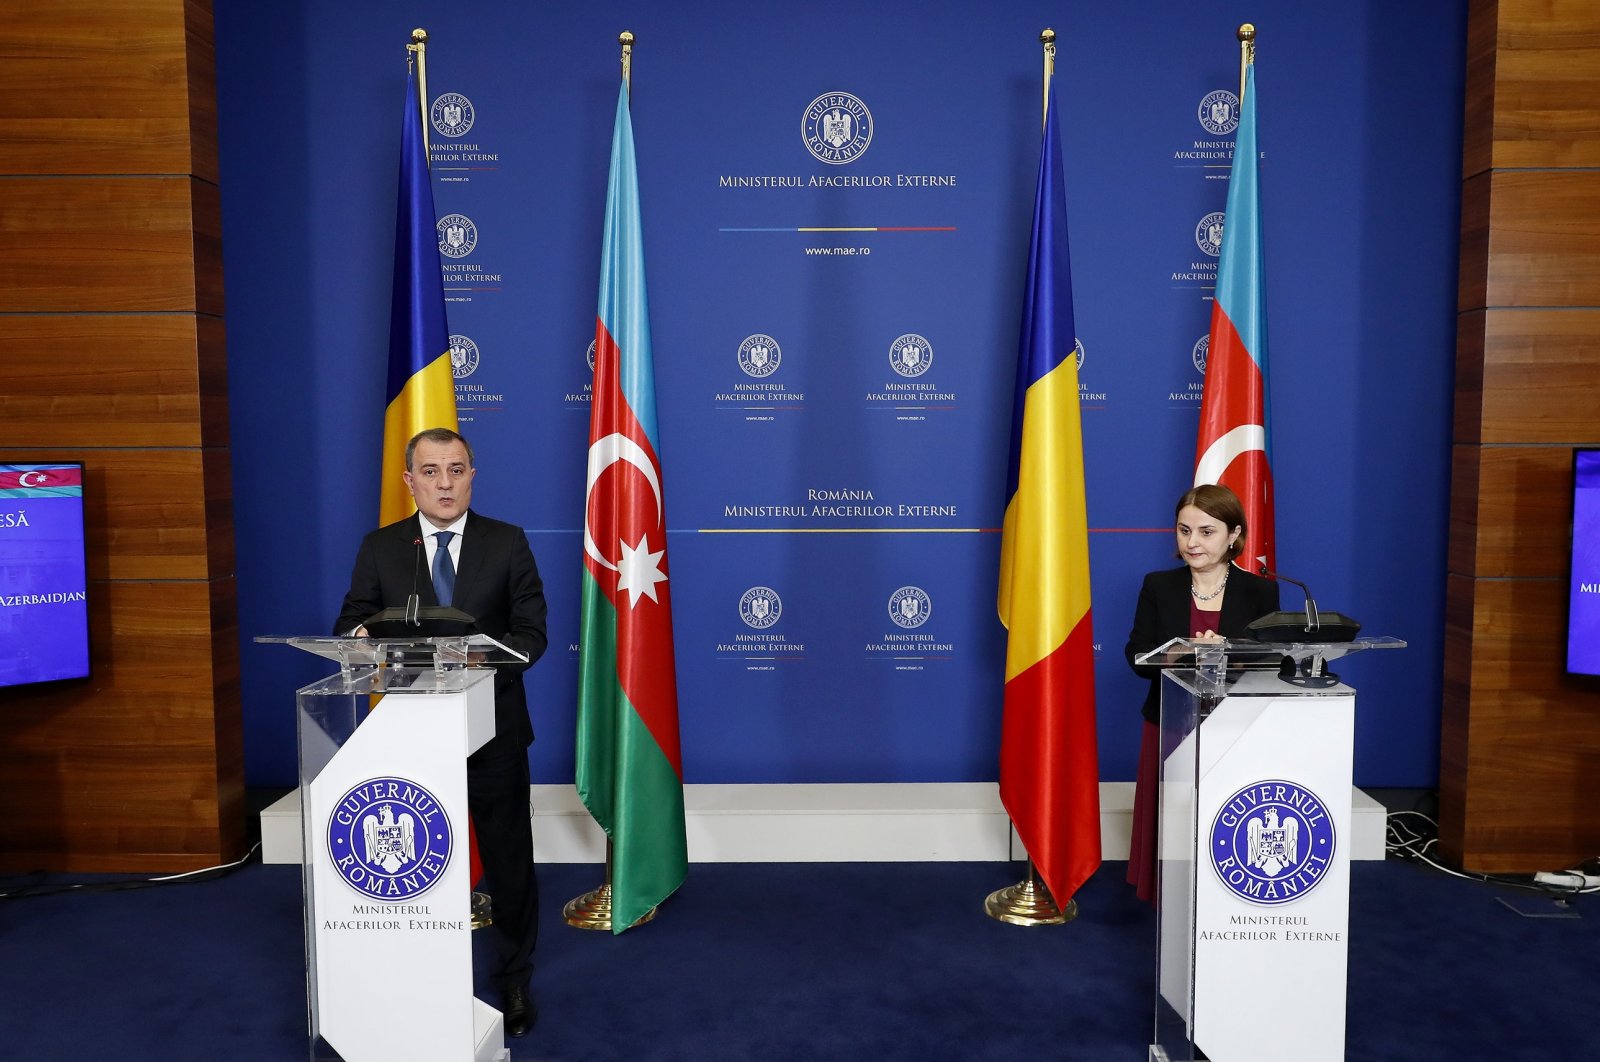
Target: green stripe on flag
column 623, row 777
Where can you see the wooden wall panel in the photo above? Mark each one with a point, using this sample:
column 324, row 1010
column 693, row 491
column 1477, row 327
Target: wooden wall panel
column 70, row 244
column 200, row 60
column 120, row 770
column 114, row 352
column 1468, row 418
column 1477, row 149
column 1544, row 245
column 1473, row 276
column 1519, row 739
column 211, row 339
column 1517, row 500
column 1528, row 747
column 1541, row 377
column 1547, row 84
column 89, row 87
column 107, row 380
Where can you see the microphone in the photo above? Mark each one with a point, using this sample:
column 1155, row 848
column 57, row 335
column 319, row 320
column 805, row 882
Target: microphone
column 414, row 602
column 1313, row 626
column 1313, row 621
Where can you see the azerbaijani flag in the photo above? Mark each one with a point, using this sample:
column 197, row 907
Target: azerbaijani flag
column 629, row 770
column 1235, row 442
column 421, row 392
column 1049, row 762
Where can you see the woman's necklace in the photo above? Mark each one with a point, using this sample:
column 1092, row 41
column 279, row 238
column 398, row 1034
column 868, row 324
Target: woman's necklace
column 1198, row 596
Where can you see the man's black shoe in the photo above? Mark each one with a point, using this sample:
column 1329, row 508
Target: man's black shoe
column 521, row 1014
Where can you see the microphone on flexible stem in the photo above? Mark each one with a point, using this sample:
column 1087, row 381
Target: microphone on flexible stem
column 414, row 603
column 1313, row 620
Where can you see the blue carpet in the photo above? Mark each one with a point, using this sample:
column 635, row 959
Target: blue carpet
column 779, row 962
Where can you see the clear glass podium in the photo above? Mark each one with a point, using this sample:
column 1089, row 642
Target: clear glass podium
column 1253, row 882
column 383, row 746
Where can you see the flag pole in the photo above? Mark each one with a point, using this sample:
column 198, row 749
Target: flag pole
column 626, row 40
column 1048, row 39
column 419, row 48
column 1247, row 54
column 1029, row 903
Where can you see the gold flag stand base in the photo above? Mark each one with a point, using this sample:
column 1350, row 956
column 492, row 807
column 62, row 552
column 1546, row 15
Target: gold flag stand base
column 592, row 910
column 1028, row 903
column 482, row 910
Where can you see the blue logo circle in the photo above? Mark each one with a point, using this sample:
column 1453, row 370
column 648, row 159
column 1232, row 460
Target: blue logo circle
column 1272, row 842
column 836, row 128
column 389, row 839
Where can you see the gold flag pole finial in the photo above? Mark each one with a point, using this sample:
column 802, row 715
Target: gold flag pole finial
column 1048, row 39
column 419, row 49
column 626, row 40
column 1247, row 54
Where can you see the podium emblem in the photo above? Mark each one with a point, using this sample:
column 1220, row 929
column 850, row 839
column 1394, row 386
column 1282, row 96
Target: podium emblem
column 389, row 839
column 1272, row 841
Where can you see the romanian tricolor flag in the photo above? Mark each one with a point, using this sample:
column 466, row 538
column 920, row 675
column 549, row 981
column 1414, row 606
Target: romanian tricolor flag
column 1235, row 443
column 1049, row 763
column 629, row 770
column 421, row 392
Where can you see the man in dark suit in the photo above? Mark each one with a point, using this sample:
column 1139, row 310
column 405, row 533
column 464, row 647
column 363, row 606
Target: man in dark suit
column 449, row 555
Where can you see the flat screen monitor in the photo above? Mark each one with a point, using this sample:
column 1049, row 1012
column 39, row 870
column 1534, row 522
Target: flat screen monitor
column 44, row 606
column 1583, row 610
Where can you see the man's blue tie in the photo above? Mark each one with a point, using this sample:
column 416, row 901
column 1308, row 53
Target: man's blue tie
column 444, row 571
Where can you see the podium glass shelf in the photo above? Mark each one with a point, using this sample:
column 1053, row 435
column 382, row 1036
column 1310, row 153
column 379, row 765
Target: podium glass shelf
column 440, row 653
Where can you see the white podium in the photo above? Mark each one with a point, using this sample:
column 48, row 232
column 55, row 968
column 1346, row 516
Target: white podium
column 383, row 749
column 1253, row 850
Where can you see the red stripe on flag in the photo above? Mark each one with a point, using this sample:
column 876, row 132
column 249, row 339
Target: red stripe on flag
column 1049, row 766
column 41, row 477
column 622, row 508
column 1235, row 394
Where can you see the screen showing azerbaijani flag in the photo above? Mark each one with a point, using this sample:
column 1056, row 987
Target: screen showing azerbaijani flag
column 44, row 612
column 1583, row 617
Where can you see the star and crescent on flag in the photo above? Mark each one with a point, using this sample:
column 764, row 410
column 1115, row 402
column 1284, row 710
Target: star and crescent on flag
column 638, row 567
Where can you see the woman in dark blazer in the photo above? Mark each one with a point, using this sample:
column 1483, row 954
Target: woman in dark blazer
column 1208, row 599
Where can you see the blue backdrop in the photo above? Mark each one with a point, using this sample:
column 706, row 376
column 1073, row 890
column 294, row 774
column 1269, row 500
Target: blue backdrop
column 798, row 456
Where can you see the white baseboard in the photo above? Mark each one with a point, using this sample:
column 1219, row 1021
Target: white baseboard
column 852, row 823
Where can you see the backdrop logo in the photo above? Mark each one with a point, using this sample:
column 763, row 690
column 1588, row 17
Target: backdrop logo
column 1202, row 347
column 1219, row 112
column 760, row 607
column 389, row 839
column 458, row 236
column 589, row 355
column 910, row 607
column 1208, row 234
column 911, row 355
column 463, row 357
column 759, row 355
column 1272, row 842
column 1077, row 348
column 452, row 114
column 837, row 128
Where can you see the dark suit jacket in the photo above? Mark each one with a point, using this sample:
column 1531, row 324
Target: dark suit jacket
column 497, row 583
column 1163, row 614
